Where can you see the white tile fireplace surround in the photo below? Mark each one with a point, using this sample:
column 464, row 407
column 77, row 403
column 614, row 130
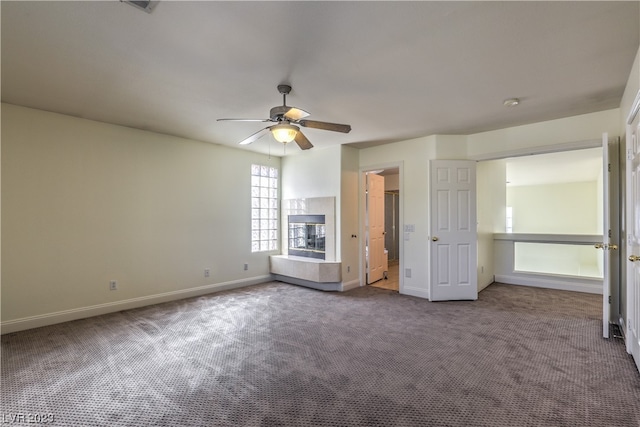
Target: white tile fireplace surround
column 323, row 274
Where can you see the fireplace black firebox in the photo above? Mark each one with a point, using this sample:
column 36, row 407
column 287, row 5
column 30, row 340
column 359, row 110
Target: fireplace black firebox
column 307, row 236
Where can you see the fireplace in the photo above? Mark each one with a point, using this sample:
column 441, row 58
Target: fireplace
column 307, row 235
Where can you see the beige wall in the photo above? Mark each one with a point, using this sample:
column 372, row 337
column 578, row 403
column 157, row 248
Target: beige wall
column 392, row 182
column 413, row 156
column 565, row 208
column 491, row 210
column 349, row 255
column 84, row 203
column 633, row 85
column 517, row 140
column 312, row 173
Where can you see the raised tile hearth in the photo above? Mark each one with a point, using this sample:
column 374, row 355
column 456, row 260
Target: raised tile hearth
column 310, row 272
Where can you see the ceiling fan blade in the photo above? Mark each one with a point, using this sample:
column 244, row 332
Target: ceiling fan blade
column 295, row 114
column 336, row 127
column 244, row 120
column 302, row 141
column 255, row 136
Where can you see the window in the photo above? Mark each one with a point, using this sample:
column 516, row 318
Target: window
column 264, row 208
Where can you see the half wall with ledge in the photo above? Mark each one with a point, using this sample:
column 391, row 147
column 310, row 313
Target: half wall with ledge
column 556, row 261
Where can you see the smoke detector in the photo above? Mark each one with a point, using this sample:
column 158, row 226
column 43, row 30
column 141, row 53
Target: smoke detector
column 511, row 102
column 146, row 5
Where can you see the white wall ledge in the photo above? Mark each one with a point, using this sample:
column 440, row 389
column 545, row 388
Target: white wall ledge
column 564, row 283
column 574, row 239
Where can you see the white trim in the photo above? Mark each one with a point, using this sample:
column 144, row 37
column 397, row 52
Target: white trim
column 416, row 292
column 587, row 285
column 347, row 286
column 623, row 328
column 40, row 320
column 574, row 239
column 543, row 149
column 635, row 107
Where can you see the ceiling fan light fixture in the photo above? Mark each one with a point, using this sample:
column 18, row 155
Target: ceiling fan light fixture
column 284, row 133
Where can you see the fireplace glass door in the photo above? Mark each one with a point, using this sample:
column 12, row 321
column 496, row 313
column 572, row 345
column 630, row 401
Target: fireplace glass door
column 307, row 235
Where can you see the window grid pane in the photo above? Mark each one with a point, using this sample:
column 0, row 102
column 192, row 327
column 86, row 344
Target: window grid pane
column 264, row 208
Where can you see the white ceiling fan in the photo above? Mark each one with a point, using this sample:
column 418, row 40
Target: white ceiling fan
column 288, row 119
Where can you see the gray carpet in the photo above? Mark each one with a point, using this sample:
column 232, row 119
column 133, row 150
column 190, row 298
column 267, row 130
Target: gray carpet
column 277, row 354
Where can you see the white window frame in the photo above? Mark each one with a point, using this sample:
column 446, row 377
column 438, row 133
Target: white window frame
column 265, row 212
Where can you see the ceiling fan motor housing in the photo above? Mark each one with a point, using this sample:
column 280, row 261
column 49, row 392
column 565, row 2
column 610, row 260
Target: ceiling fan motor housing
column 277, row 113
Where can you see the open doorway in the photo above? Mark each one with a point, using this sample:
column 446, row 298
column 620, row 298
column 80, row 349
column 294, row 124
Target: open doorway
column 557, row 194
column 562, row 229
column 539, row 217
column 391, row 221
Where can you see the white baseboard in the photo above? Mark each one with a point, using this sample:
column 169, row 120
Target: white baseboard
column 38, row 321
column 347, row 286
column 595, row 287
column 415, row 292
column 623, row 330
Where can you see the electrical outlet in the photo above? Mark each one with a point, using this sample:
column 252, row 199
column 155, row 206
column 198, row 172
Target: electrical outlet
column 348, row 268
column 207, row 272
column 113, row 285
column 246, row 266
column 407, row 272
column 482, row 269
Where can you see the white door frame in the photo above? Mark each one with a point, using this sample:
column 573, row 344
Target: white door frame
column 606, row 237
column 362, row 198
column 632, row 320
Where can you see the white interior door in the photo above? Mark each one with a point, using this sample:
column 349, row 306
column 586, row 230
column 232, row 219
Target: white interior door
column 454, row 248
column 606, row 240
column 632, row 327
column 375, row 221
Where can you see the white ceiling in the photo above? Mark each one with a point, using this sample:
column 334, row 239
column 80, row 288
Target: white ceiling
column 393, row 70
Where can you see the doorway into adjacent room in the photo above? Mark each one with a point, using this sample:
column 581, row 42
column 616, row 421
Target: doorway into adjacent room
column 389, row 217
column 560, row 225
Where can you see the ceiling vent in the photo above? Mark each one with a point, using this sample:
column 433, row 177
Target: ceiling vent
column 146, row 5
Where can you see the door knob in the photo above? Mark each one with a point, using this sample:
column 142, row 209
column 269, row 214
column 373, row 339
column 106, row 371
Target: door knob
column 634, row 258
column 598, row 246
column 613, row 247
column 435, row 239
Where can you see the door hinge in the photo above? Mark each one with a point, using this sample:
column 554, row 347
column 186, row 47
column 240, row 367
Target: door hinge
column 609, row 299
column 609, row 167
